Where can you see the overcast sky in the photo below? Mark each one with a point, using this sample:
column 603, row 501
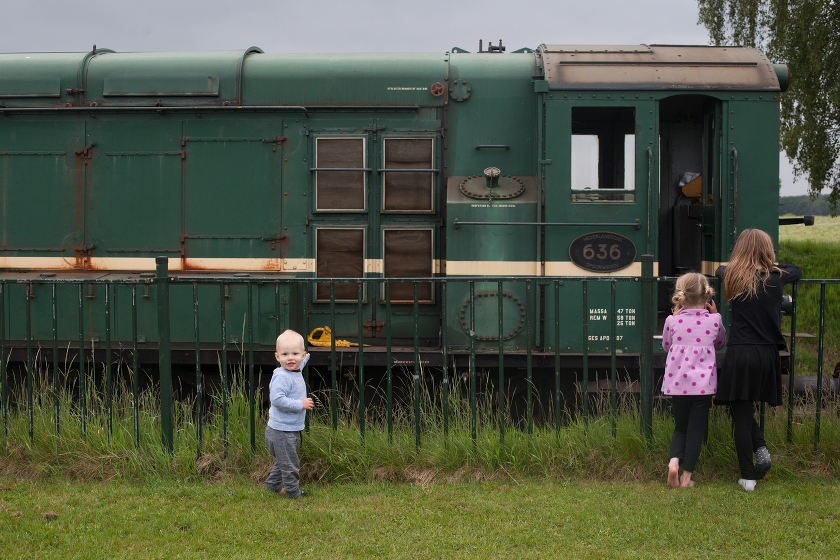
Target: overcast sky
column 282, row 26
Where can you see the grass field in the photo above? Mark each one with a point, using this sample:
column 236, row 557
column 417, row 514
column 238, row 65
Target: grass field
column 519, row 518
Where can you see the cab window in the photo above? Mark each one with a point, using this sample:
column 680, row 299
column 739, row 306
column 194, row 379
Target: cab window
column 603, row 154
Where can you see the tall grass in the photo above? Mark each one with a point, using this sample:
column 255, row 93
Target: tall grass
column 578, row 449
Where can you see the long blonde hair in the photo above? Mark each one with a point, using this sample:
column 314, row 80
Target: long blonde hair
column 691, row 288
column 749, row 265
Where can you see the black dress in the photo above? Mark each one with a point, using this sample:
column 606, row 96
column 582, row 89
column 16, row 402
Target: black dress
column 752, row 369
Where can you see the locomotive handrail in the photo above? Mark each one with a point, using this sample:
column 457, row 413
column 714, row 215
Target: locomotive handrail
column 285, row 280
column 298, row 280
column 637, row 223
column 501, row 146
column 734, row 194
column 408, row 170
column 367, row 169
column 589, row 190
column 649, row 196
column 190, row 108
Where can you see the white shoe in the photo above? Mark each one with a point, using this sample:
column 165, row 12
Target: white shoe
column 748, row 485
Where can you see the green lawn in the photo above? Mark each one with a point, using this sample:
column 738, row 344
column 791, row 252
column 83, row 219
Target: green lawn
column 528, row 518
column 818, row 260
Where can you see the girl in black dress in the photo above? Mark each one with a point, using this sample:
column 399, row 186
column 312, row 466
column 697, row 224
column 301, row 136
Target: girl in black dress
column 752, row 372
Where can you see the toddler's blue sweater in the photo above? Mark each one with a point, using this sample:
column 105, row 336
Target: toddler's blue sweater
column 286, row 390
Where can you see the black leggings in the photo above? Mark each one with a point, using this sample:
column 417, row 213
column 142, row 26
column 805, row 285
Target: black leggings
column 691, row 419
column 747, row 435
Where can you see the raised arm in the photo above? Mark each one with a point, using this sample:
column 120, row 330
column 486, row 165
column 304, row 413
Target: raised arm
column 790, row 273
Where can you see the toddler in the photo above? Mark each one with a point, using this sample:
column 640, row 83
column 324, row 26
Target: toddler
column 691, row 336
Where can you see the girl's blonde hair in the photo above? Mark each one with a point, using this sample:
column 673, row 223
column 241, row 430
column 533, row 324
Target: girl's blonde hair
column 691, row 288
column 749, row 265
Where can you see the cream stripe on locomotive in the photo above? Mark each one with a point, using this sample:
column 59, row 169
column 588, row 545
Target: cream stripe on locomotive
column 532, row 268
column 54, row 263
column 709, row 267
column 493, row 268
column 144, row 264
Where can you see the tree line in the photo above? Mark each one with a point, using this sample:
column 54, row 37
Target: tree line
column 803, row 205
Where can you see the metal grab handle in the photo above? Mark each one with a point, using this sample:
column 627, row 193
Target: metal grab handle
column 408, row 170
column 649, row 196
column 501, row 146
column 734, row 193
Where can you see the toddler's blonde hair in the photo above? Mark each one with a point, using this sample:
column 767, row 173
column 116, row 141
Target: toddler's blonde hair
column 290, row 337
column 691, row 288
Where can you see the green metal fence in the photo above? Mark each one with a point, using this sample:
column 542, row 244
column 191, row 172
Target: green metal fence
column 162, row 283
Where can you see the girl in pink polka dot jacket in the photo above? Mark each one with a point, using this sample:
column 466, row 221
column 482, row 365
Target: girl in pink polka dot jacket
column 691, row 336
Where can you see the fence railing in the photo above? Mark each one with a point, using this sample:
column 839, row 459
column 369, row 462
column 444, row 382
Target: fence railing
column 551, row 288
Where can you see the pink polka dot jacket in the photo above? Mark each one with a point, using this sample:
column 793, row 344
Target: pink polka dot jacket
column 691, row 339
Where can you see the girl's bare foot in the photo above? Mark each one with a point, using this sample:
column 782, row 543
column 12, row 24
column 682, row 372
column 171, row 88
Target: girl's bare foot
column 685, row 480
column 673, row 473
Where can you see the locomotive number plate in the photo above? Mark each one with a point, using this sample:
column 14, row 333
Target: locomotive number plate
column 602, row 251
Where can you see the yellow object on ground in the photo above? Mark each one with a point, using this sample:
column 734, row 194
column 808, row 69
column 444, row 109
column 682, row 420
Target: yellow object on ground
column 322, row 336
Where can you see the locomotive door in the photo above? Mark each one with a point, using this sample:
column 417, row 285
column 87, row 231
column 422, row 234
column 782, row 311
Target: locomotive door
column 233, row 200
column 599, row 195
column 375, row 201
column 42, row 160
column 133, row 191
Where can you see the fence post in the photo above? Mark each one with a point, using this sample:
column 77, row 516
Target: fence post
column 792, row 361
column 29, row 290
column 646, row 350
column 820, row 346
column 164, row 351
column 4, row 387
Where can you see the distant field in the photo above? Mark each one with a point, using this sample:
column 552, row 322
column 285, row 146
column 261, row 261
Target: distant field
column 824, row 230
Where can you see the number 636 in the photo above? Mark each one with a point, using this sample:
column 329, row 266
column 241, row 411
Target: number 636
column 589, row 252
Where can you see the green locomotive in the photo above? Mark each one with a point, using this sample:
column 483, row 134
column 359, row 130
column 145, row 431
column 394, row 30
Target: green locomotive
column 563, row 161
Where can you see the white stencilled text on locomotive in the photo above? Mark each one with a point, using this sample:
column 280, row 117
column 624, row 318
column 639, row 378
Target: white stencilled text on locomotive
column 598, row 315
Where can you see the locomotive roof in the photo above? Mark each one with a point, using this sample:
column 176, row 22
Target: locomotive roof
column 655, row 67
column 249, row 77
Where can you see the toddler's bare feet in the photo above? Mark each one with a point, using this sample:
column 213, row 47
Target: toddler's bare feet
column 673, row 473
